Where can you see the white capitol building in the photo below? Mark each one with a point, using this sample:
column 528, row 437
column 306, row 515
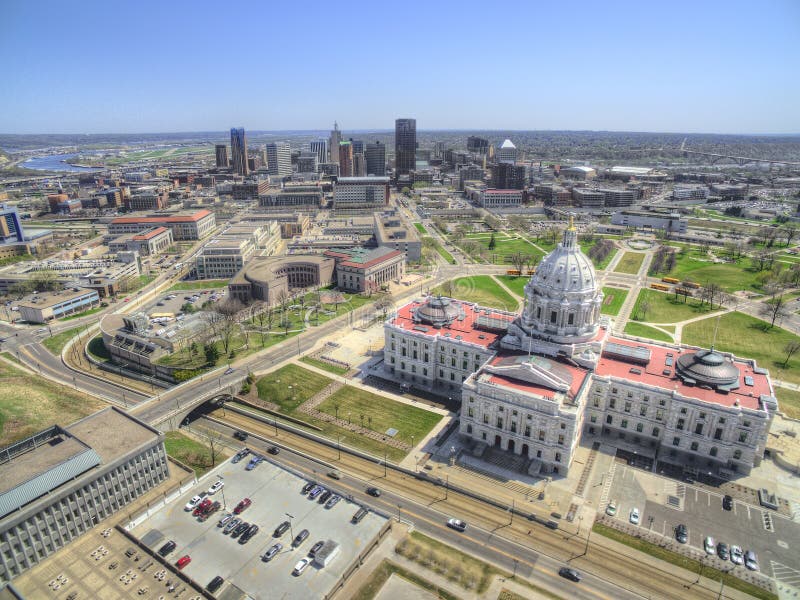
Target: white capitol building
column 535, row 383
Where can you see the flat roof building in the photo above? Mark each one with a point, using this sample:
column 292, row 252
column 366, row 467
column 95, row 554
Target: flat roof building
column 42, row 308
column 185, row 226
column 367, row 270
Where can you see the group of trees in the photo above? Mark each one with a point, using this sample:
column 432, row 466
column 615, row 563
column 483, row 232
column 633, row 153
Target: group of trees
column 600, row 250
column 663, row 260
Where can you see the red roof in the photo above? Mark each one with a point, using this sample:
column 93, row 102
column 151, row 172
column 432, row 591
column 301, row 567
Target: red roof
column 653, row 375
column 200, row 214
column 465, row 329
column 150, row 234
column 578, row 376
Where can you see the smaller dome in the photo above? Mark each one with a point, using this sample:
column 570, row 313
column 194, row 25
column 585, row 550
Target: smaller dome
column 708, row 367
column 437, row 311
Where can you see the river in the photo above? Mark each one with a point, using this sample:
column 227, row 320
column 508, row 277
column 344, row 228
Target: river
column 54, row 162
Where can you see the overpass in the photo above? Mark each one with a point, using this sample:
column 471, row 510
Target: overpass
column 740, row 160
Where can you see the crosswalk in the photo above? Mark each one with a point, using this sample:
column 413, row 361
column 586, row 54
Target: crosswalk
column 609, row 479
column 785, row 575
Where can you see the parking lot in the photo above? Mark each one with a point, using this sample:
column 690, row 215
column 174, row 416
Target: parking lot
column 664, row 503
column 275, row 494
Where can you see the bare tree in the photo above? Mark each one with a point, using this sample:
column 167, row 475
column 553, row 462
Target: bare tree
column 643, row 307
column 763, row 259
column 384, row 303
column 790, row 348
column 790, row 232
column 775, row 308
column 447, row 288
column 518, row 260
column 226, row 330
column 531, row 260
column 710, row 292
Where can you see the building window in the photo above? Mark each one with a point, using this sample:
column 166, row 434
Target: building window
column 558, row 456
column 571, row 319
column 627, row 407
column 596, row 402
column 718, row 433
column 683, row 410
column 402, row 366
column 742, row 437
column 656, row 431
column 702, row 415
column 527, row 432
column 609, row 420
column 642, row 411
column 624, row 423
column 593, row 418
column 698, row 429
column 713, row 451
column 694, row 446
column 470, row 412
column 425, row 371
column 659, row 415
column 541, row 435
column 676, row 441
column 737, row 454
column 553, row 316
column 722, row 420
column 639, row 427
column 560, row 440
column 513, row 427
column 680, row 424
column 469, row 428
column 486, row 419
column 612, row 403
column 441, row 373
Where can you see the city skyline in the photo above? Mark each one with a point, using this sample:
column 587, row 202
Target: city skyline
column 697, row 68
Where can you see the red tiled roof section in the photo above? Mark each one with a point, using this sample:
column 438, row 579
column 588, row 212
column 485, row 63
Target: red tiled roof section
column 374, row 261
column 200, row 214
column 466, row 328
column 653, row 375
column 150, row 234
column 578, row 376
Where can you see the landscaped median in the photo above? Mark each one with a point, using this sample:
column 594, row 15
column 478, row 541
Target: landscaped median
column 684, row 562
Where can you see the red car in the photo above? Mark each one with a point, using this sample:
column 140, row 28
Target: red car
column 202, row 507
column 242, row 506
column 183, row 561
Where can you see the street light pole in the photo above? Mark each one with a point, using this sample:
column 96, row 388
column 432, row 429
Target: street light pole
column 291, row 530
column 224, row 505
column 446, row 485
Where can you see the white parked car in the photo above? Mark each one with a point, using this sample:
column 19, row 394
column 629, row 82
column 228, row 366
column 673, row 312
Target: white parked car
column 710, row 546
column 301, row 566
column 737, row 555
column 634, row 516
column 217, row 486
column 611, row 509
column 192, row 504
column 457, row 524
column 751, row 560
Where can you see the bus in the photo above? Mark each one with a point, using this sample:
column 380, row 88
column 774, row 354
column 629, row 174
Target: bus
column 514, row 272
column 660, row 286
column 162, row 315
column 670, row 280
column 691, row 284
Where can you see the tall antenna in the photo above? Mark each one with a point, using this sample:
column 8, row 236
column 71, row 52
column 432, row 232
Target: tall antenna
column 716, row 329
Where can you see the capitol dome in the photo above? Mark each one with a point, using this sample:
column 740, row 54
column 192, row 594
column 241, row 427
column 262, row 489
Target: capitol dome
column 562, row 299
column 437, row 311
column 708, row 367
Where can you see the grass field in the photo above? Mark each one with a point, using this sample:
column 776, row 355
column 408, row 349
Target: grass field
column 386, row 569
column 613, row 301
column 516, row 283
column 747, row 337
column 664, row 308
column 85, row 313
column 630, row 263
column 203, row 284
column 421, row 228
column 789, row 402
column 29, row 403
column 478, row 288
column 730, row 276
column 586, row 246
column 290, row 386
column 191, row 452
column 442, row 252
column 326, row 366
column 645, row 331
column 57, row 342
column 379, row 413
column 505, row 246
column 98, row 349
column 683, row 561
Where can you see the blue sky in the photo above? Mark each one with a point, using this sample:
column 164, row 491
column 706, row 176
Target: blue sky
column 700, row 66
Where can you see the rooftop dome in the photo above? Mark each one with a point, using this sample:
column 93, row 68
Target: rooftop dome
column 565, row 270
column 708, row 367
column 437, row 311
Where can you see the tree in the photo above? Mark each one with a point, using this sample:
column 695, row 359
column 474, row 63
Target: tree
column 384, row 303
column 518, row 259
column 790, row 348
column 775, row 308
column 644, row 306
column 531, row 260
column 789, row 231
column 228, row 322
column 492, row 242
column 212, row 353
column 709, row 292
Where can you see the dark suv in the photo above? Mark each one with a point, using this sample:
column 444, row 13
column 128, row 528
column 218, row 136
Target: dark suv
column 727, row 502
column 281, row 529
column 167, row 548
column 215, row 584
column 681, row 533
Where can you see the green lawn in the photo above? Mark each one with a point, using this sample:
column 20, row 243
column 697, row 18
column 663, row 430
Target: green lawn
column 98, row 349
column 379, row 413
column 630, row 263
column 789, row 402
column 203, row 284
column 85, row 313
column 645, row 331
column 613, row 301
column 682, row 561
column 421, row 228
column 747, row 337
column 192, row 453
column 665, row 308
column 600, row 265
column 137, row 283
column 30, row 403
column 290, row 386
column 481, row 289
column 505, row 246
column 730, row 276
column 326, row 366
column 57, row 342
column 442, row 252
column 381, row 574
column 516, row 283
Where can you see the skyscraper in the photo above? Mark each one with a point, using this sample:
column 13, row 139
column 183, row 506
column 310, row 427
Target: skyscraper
column 222, row 155
column 375, row 156
column 336, row 139
column 359, row 165
column 507, row 153
column 320, row 148
column 405, row 145
column 506, row 176
column 345, row 159
column 239, row 151
column 279, row 159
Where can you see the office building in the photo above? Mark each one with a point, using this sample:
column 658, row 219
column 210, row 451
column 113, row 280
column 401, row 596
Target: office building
column 478, row 145
column 42, row 308
column 360, row 193
column 506, row 176
column 673, row 222
column 10, row 225
column 391, row 231
column 147, row 243
column 307, row 162
column 588, row 198
column 185, row 226
column 335, row 140
column 345, row 159
column 359, row 165
column 578, row 173
column 375, row 157
column 405, row 145
column 279, row 159
column 309, row 197
column 223, row 257
column 320, row 148
column 59, row 483
column 492, row 198
column 222, row 156
column 271, row 278
column 239, row 151
column 618, row 197
column 367, row 270
column 147, row 198
column 250, row 189
column 507, row 153
column 469, row 173
column 690, row 192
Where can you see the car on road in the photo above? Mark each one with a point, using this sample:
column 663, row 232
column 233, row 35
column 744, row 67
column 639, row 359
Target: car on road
column 682, row 534
column 315, row 548
column 570, row 574
column 225, row 520
column 634, row 516
column 281, row 529
column 215, row 487
column 300, row 538
column 611, row 509
column 727, row 502
column 334, row 474
column 751, row 560
column 215, row 584
column 373, row 491
column 232, row 524
column 456, row 524
column 722, row 551
column 229, row 370
column 308, row 487
column 301, row 566
column 192, row 504
column 709, row 545
column 274, row 450
column 183, row 561
column 332, row 502
column 242, row 506
column 270, row 554
column 737, row 555
column 247, row 535
column 240, row 435
column 167, row 548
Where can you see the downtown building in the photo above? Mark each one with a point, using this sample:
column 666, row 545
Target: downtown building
column 239, row 151
column 405, row 145
column 279, row 159
column 375, row 156
column 221, row 154
column 535, row 384
column 184, row 226
column 357, row 194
